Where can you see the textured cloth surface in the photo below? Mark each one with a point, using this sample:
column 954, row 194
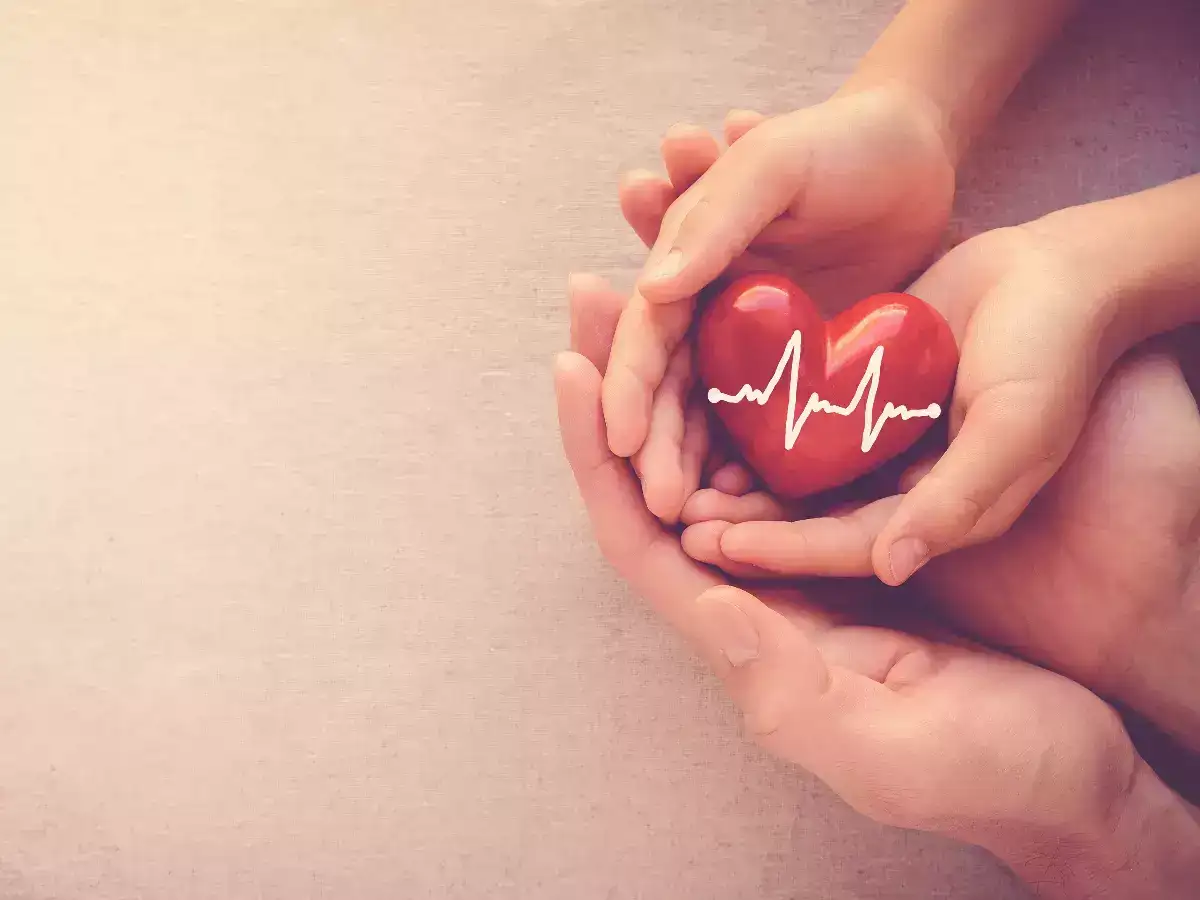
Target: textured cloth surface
column 298, row 599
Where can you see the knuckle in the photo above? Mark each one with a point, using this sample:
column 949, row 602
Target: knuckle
column 792, row 543
column 763, row 135
column 949, row 511
column 642, row 367
column 681, row 210
column 694, row 221
column 855, row 532
column 963, row 511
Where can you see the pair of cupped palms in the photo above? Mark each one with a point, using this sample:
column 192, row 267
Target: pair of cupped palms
column 969, row 700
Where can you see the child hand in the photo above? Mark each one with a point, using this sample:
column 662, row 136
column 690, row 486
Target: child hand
column 680, row 451
column 848, row 197
column 896, row 234
column 1036, row 342
column 916, row 728
column 1035, row 334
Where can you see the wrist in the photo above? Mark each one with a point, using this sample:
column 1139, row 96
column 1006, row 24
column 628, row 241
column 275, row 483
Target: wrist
column 1110, row 284
column 1148, row 847
column 966, row 56
column 1139, row 253
column 907, row 103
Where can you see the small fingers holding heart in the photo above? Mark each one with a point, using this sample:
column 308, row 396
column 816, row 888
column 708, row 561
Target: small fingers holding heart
column 702, row 542
column 715, row 505
column 694, row 451
column 671, row 460
column 710, row 513
column 838, row 546
column 1012, row 439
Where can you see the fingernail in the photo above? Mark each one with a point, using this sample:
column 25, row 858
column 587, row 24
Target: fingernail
column 668, row 268
column 582, row 281
column 636, row 175
column 683, row 129
column 905, row 557
column 733, row 631
column 733, row 542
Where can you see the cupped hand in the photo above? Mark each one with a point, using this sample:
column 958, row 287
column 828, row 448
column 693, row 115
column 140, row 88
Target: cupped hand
column 912, row 727
column 1033, row 353
column 850, row 197
column 1098, row 580
column 683, row 449
column 1036, row 337
column 1101, row 570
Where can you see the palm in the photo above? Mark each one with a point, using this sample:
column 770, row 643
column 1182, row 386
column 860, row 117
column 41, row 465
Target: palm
column 1072, row 585
column 912, row 727
column 1105, row 551
column 972, row 725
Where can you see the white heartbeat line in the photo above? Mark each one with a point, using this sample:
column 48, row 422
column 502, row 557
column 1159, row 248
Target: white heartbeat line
column 869, row 386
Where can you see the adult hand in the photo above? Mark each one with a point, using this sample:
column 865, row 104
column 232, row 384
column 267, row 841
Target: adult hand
column 849, row 197
column 921, row 730
column 1099, row 579
column 1037, row 333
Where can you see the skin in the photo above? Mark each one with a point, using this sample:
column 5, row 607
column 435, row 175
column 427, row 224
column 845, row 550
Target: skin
column 911, row 725
column 1044, row 311
column 1038, row 327
column 853, row 217
column 1071, row 585
column 1110, row 608
column 850, row 197
column 801, row 674
column 858, row 217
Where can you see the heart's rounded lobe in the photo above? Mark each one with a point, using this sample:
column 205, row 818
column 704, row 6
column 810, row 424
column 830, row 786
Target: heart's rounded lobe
column 743, row 336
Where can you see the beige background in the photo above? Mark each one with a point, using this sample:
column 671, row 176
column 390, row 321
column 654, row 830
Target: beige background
column 296, row 598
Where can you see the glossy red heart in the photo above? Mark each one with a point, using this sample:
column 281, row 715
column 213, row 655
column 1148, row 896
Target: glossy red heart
column 746, row 332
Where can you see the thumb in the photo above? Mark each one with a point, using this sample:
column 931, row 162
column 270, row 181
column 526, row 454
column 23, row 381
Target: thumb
column 792, row 700
column 1014, row 437
column 714, row 221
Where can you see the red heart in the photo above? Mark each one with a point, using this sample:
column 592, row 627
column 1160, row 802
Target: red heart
column 743, row 337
